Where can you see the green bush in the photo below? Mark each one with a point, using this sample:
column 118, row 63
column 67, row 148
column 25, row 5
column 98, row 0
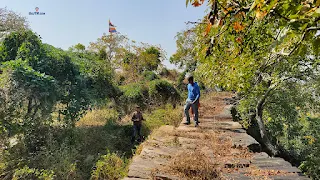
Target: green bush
column 181, row 86
column 134, row 93
column 27, row 173
column 59, row 158
column 311, row 163
column 163, row 116
column 162, row 92
column 164, row 72
column 150, row 75
column 110, row 166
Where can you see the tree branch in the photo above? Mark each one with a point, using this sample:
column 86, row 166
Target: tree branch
column 277, row 13
column 302, row 38
column 193, row 22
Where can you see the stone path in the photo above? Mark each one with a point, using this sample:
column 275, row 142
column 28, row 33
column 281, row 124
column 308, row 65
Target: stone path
column 218, row 145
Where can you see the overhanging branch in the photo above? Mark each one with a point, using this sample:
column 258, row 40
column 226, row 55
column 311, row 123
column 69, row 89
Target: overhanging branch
column 302, row 38
column 194, row 22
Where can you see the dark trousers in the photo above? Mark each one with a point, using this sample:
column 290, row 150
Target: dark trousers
column 194, row 109
column 136, row 131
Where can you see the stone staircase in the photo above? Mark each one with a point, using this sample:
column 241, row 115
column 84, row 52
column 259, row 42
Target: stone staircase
column 224, row 143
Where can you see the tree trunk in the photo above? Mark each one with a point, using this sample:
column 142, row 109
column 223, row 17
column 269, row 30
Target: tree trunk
column 263, row 132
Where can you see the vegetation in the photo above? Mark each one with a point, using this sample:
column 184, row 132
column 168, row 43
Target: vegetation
column 54, row 104
column 110, row 166
column 11, row 21
column 268, row 52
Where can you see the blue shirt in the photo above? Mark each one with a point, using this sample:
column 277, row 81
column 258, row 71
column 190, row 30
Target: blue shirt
column 193, row 91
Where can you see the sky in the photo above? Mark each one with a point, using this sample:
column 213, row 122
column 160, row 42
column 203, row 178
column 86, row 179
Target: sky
column 68, row 22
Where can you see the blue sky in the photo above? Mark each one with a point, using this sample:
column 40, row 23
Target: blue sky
column 68, row 22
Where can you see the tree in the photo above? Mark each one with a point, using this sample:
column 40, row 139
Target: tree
column 78, row 48
column 20, row 44
column 110, row 47
column 140, row 58
column 11, row 21
column 151, row 58
column 257, row 48
column 185, row 54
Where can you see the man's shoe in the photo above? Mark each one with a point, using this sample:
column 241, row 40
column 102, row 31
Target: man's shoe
column 196, row 125
column 186, row 123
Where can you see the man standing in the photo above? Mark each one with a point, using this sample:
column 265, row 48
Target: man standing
column 192, row 101
column 137, row 119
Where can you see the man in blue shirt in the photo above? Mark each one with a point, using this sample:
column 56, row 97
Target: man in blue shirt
column 192, row 101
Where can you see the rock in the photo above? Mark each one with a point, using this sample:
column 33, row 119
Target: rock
column 275, row 164
column 289, row 177
column 243, row 140
column 236, row 176
column 261, row 155
column 162, row 176
column 237, row 163
column 229, row 125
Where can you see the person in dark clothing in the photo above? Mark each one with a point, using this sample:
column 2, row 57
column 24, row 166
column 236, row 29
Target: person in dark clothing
column 192, row 101
column 137, row 119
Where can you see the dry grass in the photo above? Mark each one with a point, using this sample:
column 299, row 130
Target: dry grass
column 98, row 117
column 207, row 161
column 194, row 165
column 254, row 172
column 139, row 149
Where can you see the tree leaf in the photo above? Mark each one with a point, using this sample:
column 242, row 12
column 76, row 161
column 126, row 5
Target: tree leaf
column 253, row 5
column 208, row 28
column 260, row 14
column 237, row 26
column 196, row 3
column 187, row 2
column 316, row 45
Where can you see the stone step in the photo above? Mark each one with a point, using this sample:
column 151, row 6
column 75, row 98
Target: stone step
column 167, row 142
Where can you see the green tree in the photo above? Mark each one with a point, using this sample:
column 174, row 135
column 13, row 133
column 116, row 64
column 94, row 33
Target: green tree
column 140, row 58
column 256, row 48
column 184, row 57
column 78, row 48
column 110, row 48
column 150, row 58
column 20, row 44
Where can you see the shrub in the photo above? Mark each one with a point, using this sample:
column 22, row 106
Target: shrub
column 164, row 116
column 60, row 159
column 164, row 72
column 312, row 162
column 150, row 75
column 98, row 117
column 181, row 86
column 171, row 75
column 134, row 94
column 27, row 173
column 161, row 92
column 110, row 166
